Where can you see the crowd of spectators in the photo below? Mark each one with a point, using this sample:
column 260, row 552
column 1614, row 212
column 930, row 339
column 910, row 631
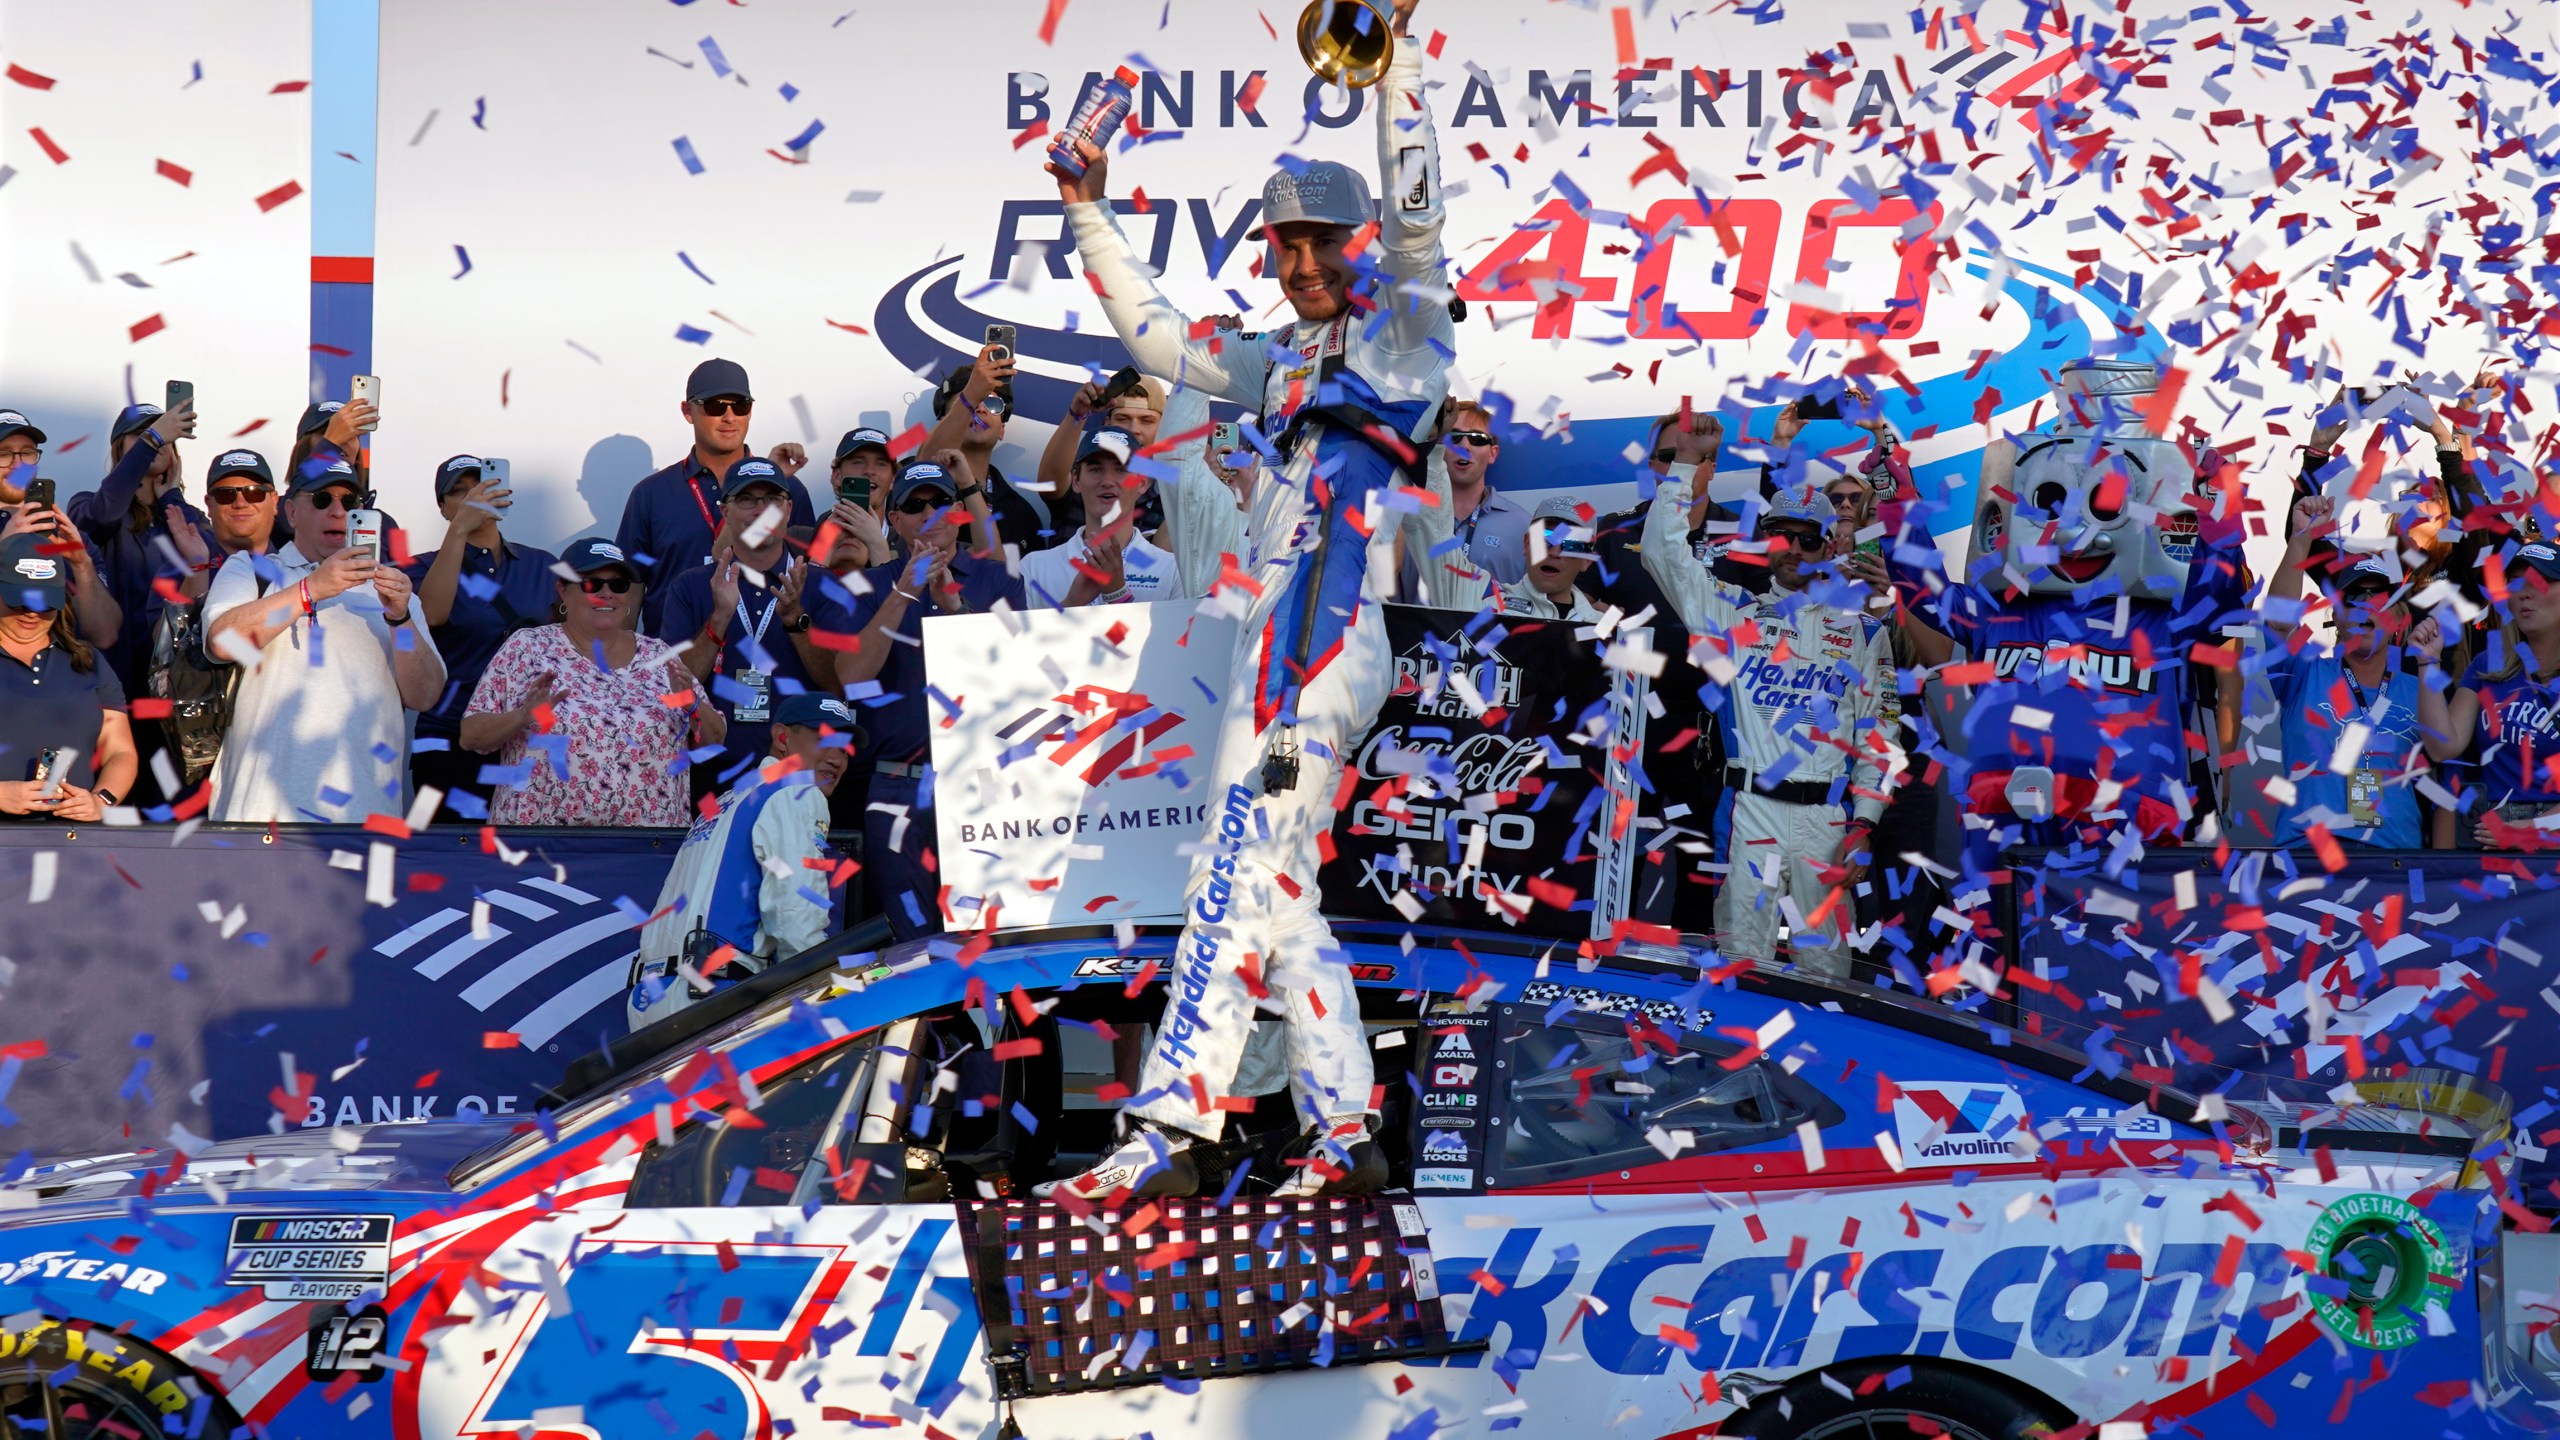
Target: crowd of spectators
column 229, row 655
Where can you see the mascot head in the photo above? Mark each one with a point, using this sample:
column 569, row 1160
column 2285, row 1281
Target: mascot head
column 2100, row 502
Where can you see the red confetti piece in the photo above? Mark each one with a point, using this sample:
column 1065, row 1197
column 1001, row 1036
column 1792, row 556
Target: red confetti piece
column 29, row 78
column 498, row 1040
column 143, row 707
column 1033, row 131
column 426, row 883
column 1049, row 22
column 856, row 329
column 290, row 87
column 279, row 195
column 177, row 172
column 23, row 1050
column 1097, row 902
column 428, row 1080
column 53, row 152
column 144, row 329
column 1623, row 21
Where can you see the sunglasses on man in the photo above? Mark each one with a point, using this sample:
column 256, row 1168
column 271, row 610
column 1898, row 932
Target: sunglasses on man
column 241, row 494
column 923, row 504
column 725, row 405
column 1472, row 439
column 334, row 498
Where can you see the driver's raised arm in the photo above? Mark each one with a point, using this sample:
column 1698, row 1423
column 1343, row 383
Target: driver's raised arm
column 1157, row 335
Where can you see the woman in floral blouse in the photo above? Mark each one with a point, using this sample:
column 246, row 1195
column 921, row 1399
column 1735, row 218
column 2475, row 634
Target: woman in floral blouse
column 592, row 715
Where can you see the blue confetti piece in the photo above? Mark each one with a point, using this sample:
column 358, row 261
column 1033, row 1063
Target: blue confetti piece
column 790, row 91
column 696, row 269
column 465, row 257
column 383, row 753
column 801, row 141
column 480, row 113
column 684, row 152
column 692, row 336
column 737, row 1185
column 494, row 775
column 333, row 797
column 631, row 910
column 711, row 52
column 428, row 743
column 466, row 805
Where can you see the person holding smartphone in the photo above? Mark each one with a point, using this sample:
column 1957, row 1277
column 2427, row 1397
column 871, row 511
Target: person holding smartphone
column 142, row 528
column 66, row 753
column 29, row 504
column 671, row 517
column 971, row 409
column 478, row 588
column 861, row 477
column 334, row 653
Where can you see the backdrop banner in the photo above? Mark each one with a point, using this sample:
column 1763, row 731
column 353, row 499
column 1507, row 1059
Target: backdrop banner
column 332, row 975
column 1480, row 783
column 2175, row 970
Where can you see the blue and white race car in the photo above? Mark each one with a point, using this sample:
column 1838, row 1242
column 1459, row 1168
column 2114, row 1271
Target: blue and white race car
column 1629, row 1200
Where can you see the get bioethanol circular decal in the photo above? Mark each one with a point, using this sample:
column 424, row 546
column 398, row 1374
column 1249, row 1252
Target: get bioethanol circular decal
column 2378, row 1255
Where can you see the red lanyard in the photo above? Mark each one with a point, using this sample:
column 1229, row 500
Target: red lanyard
column 695, row 491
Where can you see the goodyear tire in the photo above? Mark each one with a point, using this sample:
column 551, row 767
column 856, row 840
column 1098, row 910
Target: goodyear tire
column 1946, row 1403
column 71, row 1381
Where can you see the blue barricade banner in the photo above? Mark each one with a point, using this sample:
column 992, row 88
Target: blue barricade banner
column 189, row 984
column 2175, row 968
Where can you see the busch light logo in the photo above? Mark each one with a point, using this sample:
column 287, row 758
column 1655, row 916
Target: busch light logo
column 1443, row 690
column 1961, row 1125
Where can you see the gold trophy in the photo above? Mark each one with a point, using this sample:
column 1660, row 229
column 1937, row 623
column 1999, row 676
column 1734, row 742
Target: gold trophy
column 1349, row 41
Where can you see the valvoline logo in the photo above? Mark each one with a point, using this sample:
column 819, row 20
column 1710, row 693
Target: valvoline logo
column 1961, row 1124
column 1985, row 351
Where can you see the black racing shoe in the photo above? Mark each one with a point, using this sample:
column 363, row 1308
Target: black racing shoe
column 1149, row 1162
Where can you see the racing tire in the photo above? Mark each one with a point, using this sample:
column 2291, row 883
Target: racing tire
column 1949, row 1403
column 72, row 1381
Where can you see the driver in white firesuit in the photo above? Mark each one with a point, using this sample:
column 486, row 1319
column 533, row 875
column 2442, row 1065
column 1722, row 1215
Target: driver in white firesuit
column 1805, row 687
column 1348, row 396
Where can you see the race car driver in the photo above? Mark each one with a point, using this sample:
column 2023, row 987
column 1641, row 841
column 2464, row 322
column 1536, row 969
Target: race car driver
column 743, row 892
column 1809, row 708
column 1348, row 393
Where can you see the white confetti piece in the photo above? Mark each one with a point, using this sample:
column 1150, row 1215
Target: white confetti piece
column 40, row 878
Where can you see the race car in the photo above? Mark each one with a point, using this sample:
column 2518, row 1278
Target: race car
column 1630, row 1197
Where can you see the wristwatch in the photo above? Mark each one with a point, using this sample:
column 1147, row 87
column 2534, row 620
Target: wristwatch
column 798, row 624
column 965, row 491
column 107, row 797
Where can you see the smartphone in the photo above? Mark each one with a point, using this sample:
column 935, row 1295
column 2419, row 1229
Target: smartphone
column 364, row 532
column 495, row 472
column 1225, row 438
column 40, row 493
column 53, row 770
column 855, row 488
column 177, row 393
column 1001, row 337
column 1122, row 381
column 1809, row 408
column 367, row 388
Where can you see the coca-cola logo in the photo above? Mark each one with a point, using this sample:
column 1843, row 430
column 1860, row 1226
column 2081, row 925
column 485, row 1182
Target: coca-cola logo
column 1479, row 764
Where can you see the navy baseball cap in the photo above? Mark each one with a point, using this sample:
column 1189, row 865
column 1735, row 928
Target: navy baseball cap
column 130, row 419
column 2371, row 573
column 749, row 470
column 586, row 557
column 2544, row 560
column 310, row 480
column 316, row 416
column 717, row 377
column 12, row 423
column 862, row 437
column 454, row 471
column 239, row 462
column 813, row 709
column 29, row 578
column 918, row 474
column 1111, row 441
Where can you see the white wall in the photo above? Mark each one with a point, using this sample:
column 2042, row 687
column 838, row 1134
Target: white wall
column 237, row 309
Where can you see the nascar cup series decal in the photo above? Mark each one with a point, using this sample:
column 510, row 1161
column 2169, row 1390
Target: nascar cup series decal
column 2383, row 1266
column 310, row 1257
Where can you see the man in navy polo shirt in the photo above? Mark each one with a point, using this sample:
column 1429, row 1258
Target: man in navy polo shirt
column 888, row 608
column 668, row 521
column 747, row 619
column 478, row 588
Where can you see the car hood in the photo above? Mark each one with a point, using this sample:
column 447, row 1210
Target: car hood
column 414, row 1158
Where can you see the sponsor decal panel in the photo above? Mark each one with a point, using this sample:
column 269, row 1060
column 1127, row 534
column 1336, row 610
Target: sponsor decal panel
column 1947, row 1125
column 310, row 1257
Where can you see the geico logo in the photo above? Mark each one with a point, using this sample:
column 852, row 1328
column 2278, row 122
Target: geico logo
column 1502, row 831
column 1991, row 1303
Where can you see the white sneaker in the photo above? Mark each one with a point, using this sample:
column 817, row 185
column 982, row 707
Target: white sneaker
column 1149, row 1162
column 1343, row 1161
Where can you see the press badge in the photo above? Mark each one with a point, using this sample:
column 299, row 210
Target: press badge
column 2364, row 799
column 757, row 708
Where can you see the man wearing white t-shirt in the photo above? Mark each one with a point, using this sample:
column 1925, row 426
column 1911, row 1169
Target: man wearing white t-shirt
column 1108, row 554
column 333, row 657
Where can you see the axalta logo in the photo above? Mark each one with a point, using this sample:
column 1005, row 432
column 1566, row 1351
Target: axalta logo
column 1938, row 1124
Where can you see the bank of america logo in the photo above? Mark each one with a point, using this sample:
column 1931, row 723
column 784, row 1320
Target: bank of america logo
column 549, row 954
column 1093, row 730
column 1970, row 1112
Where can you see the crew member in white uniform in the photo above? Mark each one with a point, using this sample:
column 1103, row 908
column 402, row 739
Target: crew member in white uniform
column 1810, row 711
column 1353, row 394
column 743, row 892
